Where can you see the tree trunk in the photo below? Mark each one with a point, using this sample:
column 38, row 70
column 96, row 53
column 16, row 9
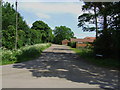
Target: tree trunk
column 105, row 22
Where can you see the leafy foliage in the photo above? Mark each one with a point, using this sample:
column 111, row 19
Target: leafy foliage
column 62, row 33
column 9, row 37
column 9, row 18
column 22, row 54
column 40, row 25
column 72, row 44
column 103, row 48
column 21, row 38
column 108, row 44
column 106, row 19
column 39, row 33
column 89, row 17
column 88, row 56
column 108, row 41
column 85, row 18
column 45, row 30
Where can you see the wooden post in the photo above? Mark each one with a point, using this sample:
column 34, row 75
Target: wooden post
column 16, row 26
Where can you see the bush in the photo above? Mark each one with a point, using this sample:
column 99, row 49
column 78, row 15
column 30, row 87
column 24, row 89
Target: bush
column 8, row 39
column 21, row 38
column 28, row 37
column 23, row 54
column 72, row 44
column 88, row 55
column 108, row 44
column 8, row 56
column 85, row 52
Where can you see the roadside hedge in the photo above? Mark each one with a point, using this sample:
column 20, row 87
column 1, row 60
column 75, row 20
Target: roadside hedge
column 72, row 44
column 23, row 54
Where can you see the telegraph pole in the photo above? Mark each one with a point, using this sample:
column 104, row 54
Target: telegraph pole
column 16, row 27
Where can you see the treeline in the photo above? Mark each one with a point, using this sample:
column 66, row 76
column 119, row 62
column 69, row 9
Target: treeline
column 105, row 20
column 40, row 32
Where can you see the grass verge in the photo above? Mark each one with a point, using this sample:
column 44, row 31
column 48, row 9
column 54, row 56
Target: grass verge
column 87, row 55
column 23, row 54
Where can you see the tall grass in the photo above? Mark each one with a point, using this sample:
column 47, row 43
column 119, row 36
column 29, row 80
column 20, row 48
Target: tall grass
column 23, row 54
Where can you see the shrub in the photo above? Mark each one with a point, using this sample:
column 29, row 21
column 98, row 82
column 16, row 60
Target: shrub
column 21, row 38
column 23, row 54
column 72, row 44
column 102, row 44
column 8, row 57
column 8, row 40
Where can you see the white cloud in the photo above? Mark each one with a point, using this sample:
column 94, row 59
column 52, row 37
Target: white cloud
column 44, row 8
column 42, row 0
column 84, row 34
column 42, row 15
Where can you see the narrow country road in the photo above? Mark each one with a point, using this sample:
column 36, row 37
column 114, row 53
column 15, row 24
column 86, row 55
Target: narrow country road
column 58, row 67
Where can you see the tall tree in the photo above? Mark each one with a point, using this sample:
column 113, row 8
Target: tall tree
column 62, row 33
column 8, row 39
column 45, row 30
column 108, row 42
column 89, row 17
column 106, row 18
column 40, row 25
column 8, row 17
column 0, row 15
column 98, row 18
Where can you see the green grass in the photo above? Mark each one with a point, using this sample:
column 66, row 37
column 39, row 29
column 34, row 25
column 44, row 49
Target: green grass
column 87, row 55
column 23, row 54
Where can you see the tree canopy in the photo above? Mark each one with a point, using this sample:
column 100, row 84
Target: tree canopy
column 106, row 17
column 9, row 17
column 62, row 33
column 102, row 14
column 45, row 30
column 40, row 25
column 39, row 33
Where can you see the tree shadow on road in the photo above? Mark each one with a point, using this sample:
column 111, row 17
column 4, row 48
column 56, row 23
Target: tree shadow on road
column 71, row 67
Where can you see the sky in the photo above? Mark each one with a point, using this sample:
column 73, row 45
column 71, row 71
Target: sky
column 54, row 13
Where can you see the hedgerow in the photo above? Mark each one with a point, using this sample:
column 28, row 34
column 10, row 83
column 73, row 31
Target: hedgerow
column 23, row 54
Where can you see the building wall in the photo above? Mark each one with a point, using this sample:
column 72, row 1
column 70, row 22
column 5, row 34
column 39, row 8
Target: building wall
column 80, row 45
column 65, row 42
column 83, row 45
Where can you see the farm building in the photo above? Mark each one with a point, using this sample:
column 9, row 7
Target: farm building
column 80, row 42
column 65, row 42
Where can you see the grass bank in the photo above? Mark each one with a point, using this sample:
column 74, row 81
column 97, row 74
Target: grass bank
column 88, row 55
column 23, row 54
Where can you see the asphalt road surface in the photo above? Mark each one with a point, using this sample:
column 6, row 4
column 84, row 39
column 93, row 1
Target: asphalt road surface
column 58, row 67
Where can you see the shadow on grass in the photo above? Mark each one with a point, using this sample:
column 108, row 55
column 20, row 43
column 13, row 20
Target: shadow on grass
column 71, row 67
column 91, row 57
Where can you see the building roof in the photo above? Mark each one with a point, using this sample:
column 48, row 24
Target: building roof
column 90, row 38
column 86, row 39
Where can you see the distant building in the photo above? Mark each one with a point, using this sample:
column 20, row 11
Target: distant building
column 80, row 42
column 93, row 38
column 86, row 39
column 65, row 42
